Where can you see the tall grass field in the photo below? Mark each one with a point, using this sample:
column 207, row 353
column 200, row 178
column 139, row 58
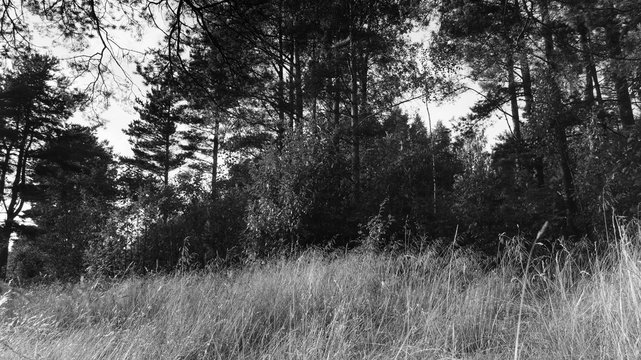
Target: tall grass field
column 359, row 305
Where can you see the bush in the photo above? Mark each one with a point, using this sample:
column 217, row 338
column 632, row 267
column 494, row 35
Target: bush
column 28, row 264
column 299, row 197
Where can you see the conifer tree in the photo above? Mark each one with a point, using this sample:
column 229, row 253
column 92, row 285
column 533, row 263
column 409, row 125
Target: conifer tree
column 71, row 200
column 34, row 101
column 157, row 141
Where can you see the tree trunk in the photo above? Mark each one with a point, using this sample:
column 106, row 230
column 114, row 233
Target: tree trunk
column 514, row 101
column 298, row 84
column 165, row 181
column 15, row 204
column 526, row 79
column 588, row 93
column 432, row 152
column 164, row 210
column 314, row 123
column 557, row 123
column 280, row 127
column 356, row 161
column 5, row 234
column 214, row 158
column 291, row 101
column 620, row 82
column 6, row 162
column 336, row 108
column 592, row 77
column 527, row 84
column 313, row 61
column 334, row 116
column 363, row 68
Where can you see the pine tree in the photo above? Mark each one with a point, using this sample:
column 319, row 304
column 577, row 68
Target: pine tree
column 157, row 142
column 33, row 103
column 71, row 199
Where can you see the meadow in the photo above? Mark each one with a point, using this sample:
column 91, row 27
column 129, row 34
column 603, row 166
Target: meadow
column 359, row 305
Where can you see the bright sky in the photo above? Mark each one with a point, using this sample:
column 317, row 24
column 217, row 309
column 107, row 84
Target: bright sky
column 453, row 109
column 127, row 48
column 119, row 111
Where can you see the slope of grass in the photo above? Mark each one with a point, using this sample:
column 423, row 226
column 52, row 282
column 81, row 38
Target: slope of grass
column 360, row 306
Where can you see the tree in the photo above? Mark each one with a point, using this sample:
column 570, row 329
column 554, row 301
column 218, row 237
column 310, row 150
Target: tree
column 34, row 101
column 299, row 196
column 221, row 87
column 400, row 166
column 71, row 199
column 155, row 137
column 490, row 45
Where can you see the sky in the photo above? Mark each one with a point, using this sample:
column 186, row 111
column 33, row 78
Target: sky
column 116, row 114
column 128, row 47
column 453, row 109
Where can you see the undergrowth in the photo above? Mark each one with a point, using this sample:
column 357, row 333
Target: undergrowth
column 362, row 305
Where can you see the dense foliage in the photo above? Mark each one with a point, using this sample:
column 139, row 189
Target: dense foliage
column 271, row 127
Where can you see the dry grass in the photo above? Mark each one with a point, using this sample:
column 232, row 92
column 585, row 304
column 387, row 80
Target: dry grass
column 361, row 306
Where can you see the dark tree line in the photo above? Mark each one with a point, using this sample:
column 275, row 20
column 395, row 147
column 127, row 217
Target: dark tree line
column 565, row 73
column 272, row 126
